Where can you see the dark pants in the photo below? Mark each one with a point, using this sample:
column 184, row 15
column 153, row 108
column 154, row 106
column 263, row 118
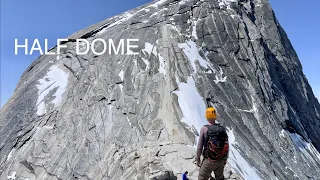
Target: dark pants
column 207, row 168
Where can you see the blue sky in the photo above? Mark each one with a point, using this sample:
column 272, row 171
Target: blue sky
column 59, row 18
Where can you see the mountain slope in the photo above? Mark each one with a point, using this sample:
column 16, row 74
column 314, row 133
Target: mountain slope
column 137, row 117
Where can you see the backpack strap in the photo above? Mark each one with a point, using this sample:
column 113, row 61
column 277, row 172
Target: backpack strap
column 206, row 138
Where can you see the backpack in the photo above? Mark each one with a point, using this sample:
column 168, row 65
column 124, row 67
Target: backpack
column 217, row 145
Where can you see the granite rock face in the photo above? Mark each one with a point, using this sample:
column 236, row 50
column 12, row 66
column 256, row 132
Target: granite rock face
column 138, row 116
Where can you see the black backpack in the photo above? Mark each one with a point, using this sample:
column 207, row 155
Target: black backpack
column 217, row 145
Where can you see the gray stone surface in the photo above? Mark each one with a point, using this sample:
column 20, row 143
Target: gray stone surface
column 118, row 116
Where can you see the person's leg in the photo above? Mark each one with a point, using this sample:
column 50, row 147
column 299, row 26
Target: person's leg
column 218, row 170
column 205, row 170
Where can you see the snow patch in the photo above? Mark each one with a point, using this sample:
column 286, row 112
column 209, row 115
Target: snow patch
column 124, row 18
column 307, row 149
column 121, row 19
column 226, row 3
column 193, row 108
column 143, row 9
column 12, row 176
column 238, row 162
column 191, row 104
column 151, row 49
column 154, row 14
column 192, row 52
column 48, row 127
column 55, row 79
column 182, row 2
column 194, row 29
column 219, row 77
column 209, row 71
column 282, row 133
column 11, row 153
column 129, row 121
column 157, row 3
column 121, row 74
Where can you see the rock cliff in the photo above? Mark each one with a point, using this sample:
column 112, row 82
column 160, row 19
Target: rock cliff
column 138, row 116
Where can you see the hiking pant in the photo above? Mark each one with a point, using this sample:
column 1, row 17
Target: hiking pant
column 207, row 168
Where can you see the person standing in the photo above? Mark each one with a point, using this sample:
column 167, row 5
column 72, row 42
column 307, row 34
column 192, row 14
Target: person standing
column 184, row 176
column 214, row 146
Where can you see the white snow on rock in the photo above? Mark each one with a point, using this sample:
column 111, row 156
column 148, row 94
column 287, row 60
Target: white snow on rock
column 157, row 3
column 194, row 29
column 12, row 176
column 307, row 149
column 238, row 162
column 123, row 19
column 182, row 2
column 282, row 133
column 154, row 14
column 129, row 121
column 191, row 104
column 48, row 127
column 151, row 49
column 55, row 79
column 121, row 75
column 11, row 153
column 192, row 52
column 129, row 15
column 219, row 77
column 226, row 3
column 143, row 9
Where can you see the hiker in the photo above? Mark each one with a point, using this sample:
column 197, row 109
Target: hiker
column 184, row 176
column 213, row 145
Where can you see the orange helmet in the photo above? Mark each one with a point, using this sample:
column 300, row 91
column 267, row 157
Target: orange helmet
column 211, row 113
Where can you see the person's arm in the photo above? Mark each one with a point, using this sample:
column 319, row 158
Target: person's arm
column 200, row 145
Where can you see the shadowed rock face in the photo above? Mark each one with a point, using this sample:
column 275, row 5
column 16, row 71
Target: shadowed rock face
column 137, row 117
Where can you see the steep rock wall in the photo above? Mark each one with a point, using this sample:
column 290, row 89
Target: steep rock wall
column 137, row 117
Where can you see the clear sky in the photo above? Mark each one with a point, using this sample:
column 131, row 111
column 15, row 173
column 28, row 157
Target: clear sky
column 39, row 19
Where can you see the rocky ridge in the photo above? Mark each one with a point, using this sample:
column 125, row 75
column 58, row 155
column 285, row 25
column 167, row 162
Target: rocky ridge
column 138, row 117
